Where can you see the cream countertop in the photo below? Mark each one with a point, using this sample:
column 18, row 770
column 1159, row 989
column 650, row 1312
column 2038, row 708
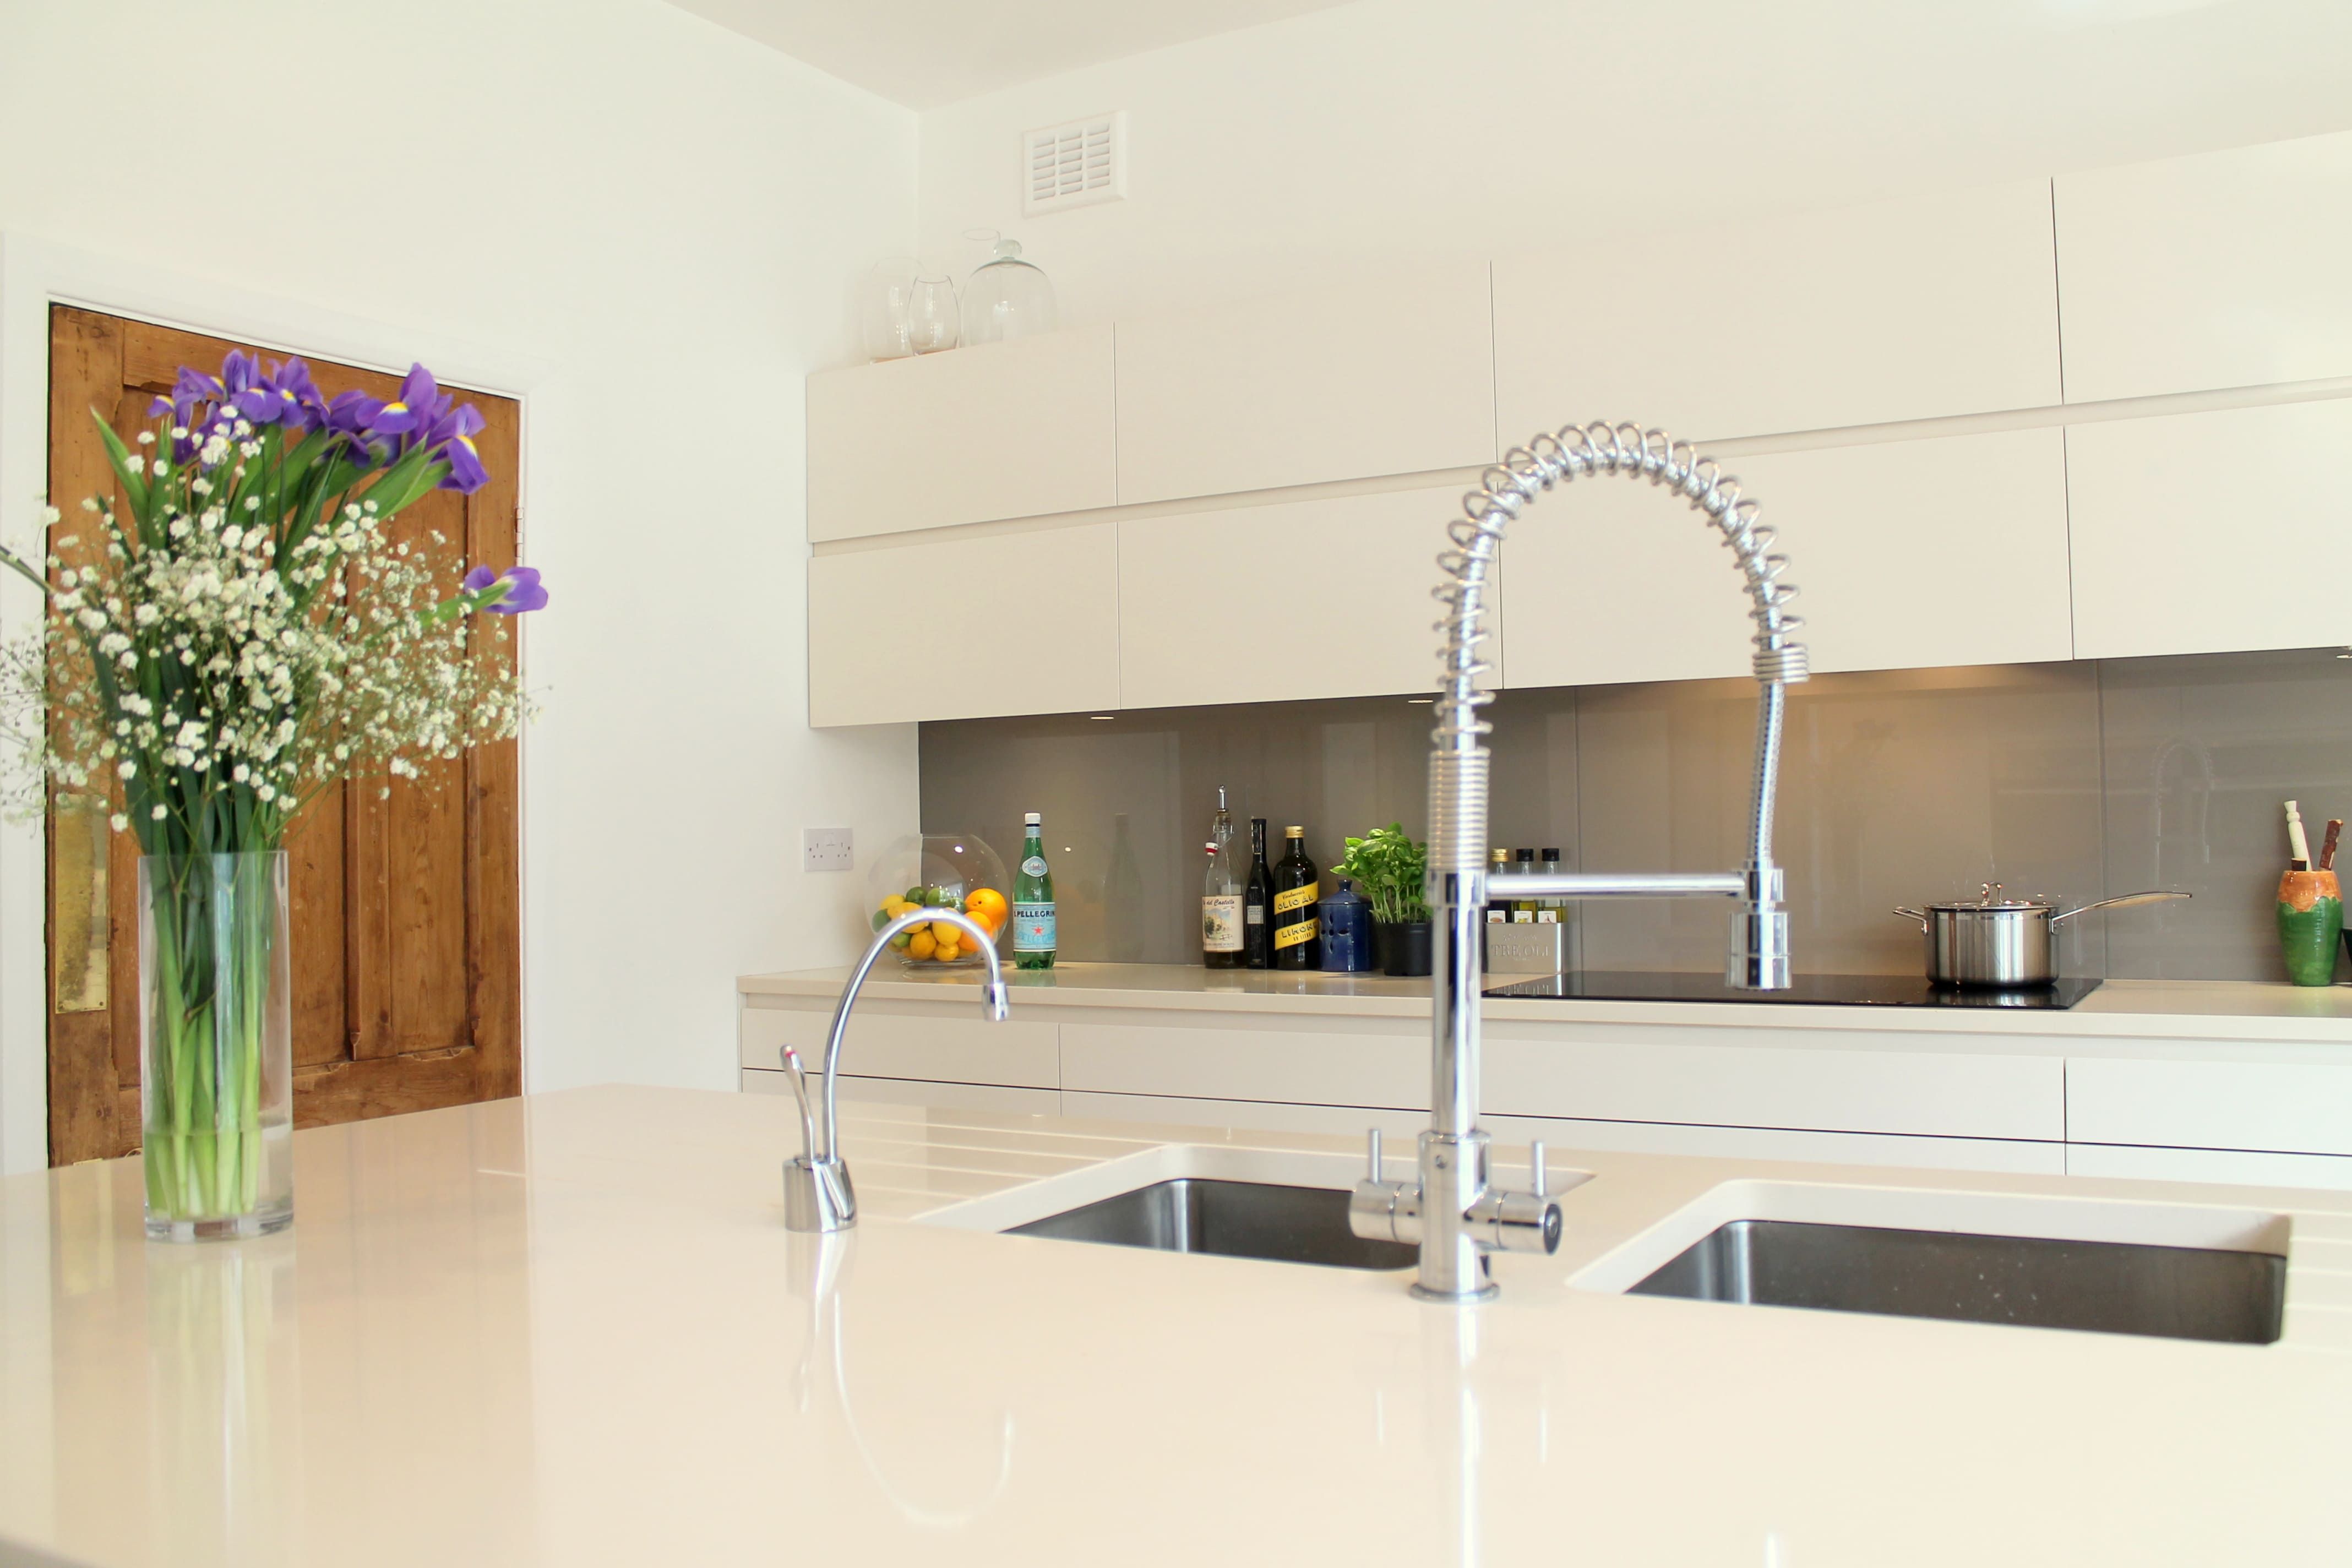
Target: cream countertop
column 570, row 1329
column 2132, row 1009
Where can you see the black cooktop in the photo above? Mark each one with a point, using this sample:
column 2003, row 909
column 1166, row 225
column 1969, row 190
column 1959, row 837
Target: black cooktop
column 1818, row 990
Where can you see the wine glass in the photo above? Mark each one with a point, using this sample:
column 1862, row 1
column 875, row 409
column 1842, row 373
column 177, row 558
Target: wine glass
column 934, row 320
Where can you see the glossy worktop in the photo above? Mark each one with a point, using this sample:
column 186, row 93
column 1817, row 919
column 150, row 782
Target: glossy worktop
column 570, row 1329
column 2127, row 1009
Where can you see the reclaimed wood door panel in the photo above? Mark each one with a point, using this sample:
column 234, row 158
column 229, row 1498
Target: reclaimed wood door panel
column 405, row 915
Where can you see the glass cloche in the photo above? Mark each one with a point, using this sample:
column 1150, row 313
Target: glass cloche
column 1006, row 297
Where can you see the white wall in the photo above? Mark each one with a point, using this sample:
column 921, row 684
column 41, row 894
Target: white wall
column 648, row 225
column 1395, row 131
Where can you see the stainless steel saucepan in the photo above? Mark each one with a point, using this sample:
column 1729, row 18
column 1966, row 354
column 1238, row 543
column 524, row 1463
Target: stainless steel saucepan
column 1997, row 941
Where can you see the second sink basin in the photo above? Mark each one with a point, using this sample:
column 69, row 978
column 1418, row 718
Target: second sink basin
column 1231, row 1219
column 2109, row 1287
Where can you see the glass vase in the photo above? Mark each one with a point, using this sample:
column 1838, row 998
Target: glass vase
column 216, row 1069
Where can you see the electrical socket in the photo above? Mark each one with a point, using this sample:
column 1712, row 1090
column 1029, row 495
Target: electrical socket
column 826, row 849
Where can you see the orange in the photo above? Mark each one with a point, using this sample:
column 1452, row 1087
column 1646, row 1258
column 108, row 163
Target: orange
column 987, row 900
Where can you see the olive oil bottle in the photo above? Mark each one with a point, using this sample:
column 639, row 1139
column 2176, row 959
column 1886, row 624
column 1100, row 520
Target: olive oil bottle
column 1297, row 887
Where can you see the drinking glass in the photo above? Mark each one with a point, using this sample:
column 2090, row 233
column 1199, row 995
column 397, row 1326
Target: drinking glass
column 885, row 305
column 934, row 320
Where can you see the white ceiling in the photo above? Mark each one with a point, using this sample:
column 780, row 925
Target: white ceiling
column 924, row 53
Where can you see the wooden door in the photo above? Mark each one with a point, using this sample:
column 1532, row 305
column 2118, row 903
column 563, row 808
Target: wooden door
column 406, row 963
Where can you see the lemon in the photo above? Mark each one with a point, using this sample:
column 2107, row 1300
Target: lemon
column 948, row 952
column 922, row 945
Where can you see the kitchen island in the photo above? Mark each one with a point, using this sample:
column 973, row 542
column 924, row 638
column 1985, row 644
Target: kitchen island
column 571, row 1329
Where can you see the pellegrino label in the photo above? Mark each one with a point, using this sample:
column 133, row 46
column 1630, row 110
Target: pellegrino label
column 1034, row 865
column 1032, row 928
column 1220, row 922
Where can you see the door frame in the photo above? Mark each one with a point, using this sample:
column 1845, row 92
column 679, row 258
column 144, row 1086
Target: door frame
column 35, row 274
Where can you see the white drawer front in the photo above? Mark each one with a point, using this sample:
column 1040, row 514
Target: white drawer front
column 2235, row 1165
column 1564, row 1136
column 883, row 1043
column 1257, row 1116
column 1913, row 1093
column 2288, row 1107
column 1308, row 1067
column 916, row 1092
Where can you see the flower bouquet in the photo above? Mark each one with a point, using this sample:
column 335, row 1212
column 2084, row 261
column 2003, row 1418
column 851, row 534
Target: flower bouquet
column 240, row 636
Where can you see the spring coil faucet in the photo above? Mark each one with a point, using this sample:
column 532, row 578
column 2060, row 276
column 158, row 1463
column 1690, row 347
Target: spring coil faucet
column 1452, row 1211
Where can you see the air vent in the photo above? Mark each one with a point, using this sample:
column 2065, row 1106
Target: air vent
column 1073, row 166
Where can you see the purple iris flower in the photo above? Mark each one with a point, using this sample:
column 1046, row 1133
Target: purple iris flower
column 522, row 590
column 350, row 416
column 286, row 395
column 465, row 474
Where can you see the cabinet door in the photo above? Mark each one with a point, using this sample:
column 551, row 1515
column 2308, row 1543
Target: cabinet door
column 998, row 430
column 1393, row 376
column 2234, row 1166
column 1908, row 554
column 2222, row 269
column 2207, row 532
column 1269, row 603
column 965, row 628
column 1898, row 311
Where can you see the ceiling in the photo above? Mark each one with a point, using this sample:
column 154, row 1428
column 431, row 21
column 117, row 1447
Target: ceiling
column 924, row 53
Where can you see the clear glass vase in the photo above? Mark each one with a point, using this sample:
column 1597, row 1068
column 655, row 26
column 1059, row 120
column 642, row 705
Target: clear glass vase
column 216, row 1065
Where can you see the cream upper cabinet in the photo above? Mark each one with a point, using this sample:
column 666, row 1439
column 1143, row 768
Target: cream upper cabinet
column 925, row 630
column 1899, row 311
column 1390, row 376
column 2222, row 269
column 2209, row 532
column 1907, row 554
column 1266, row 604
column 973, row 435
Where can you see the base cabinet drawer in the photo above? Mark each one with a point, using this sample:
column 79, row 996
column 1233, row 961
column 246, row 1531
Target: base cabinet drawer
column 1918, row 1093
column 920, row 1092
column 1400, row 1127
column 1567, row 1135
column 2292, row 1107
column 910, row 1045
column 1308, row 1065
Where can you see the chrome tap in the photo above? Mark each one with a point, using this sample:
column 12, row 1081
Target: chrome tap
column 817, row 1194
column 1452, row 1211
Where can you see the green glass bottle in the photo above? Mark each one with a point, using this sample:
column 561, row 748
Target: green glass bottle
column 1032, row 900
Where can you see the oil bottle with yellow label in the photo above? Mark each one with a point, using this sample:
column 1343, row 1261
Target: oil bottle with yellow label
column 1297, row 888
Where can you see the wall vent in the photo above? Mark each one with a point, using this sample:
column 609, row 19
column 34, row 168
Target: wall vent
column 1073, row 166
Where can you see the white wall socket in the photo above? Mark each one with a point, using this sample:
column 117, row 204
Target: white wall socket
column 826, row 849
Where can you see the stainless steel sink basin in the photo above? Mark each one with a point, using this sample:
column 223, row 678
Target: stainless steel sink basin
column 1233, row 1219
column 2106, row 1287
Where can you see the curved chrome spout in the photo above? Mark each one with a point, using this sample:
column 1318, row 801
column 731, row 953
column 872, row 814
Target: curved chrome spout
column 817, row 1193
column 1452, row 1210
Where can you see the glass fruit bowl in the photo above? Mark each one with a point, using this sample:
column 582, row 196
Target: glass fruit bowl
column 939, row 870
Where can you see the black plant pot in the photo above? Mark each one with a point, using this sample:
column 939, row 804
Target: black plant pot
column 1404, row 947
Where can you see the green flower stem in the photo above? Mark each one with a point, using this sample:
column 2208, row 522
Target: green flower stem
column 213, row 940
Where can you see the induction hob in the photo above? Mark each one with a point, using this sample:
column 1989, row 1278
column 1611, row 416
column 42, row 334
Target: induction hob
column 1817, row 990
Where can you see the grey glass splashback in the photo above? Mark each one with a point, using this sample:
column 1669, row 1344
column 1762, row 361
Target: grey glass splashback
column 2071, row 780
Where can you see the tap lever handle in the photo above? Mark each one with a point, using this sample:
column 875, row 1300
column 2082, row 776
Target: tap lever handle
column 1372, row 1152
column 1535, row 1167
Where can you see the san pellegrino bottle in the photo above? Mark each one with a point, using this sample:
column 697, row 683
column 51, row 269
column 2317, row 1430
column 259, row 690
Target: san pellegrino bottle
column 1257, row 903
column 1032, row 900
column 1297, row 887
column 1220, row 897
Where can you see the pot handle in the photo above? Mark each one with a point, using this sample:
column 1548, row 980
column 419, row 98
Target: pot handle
column 2118, row 903
column 1919, row 915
